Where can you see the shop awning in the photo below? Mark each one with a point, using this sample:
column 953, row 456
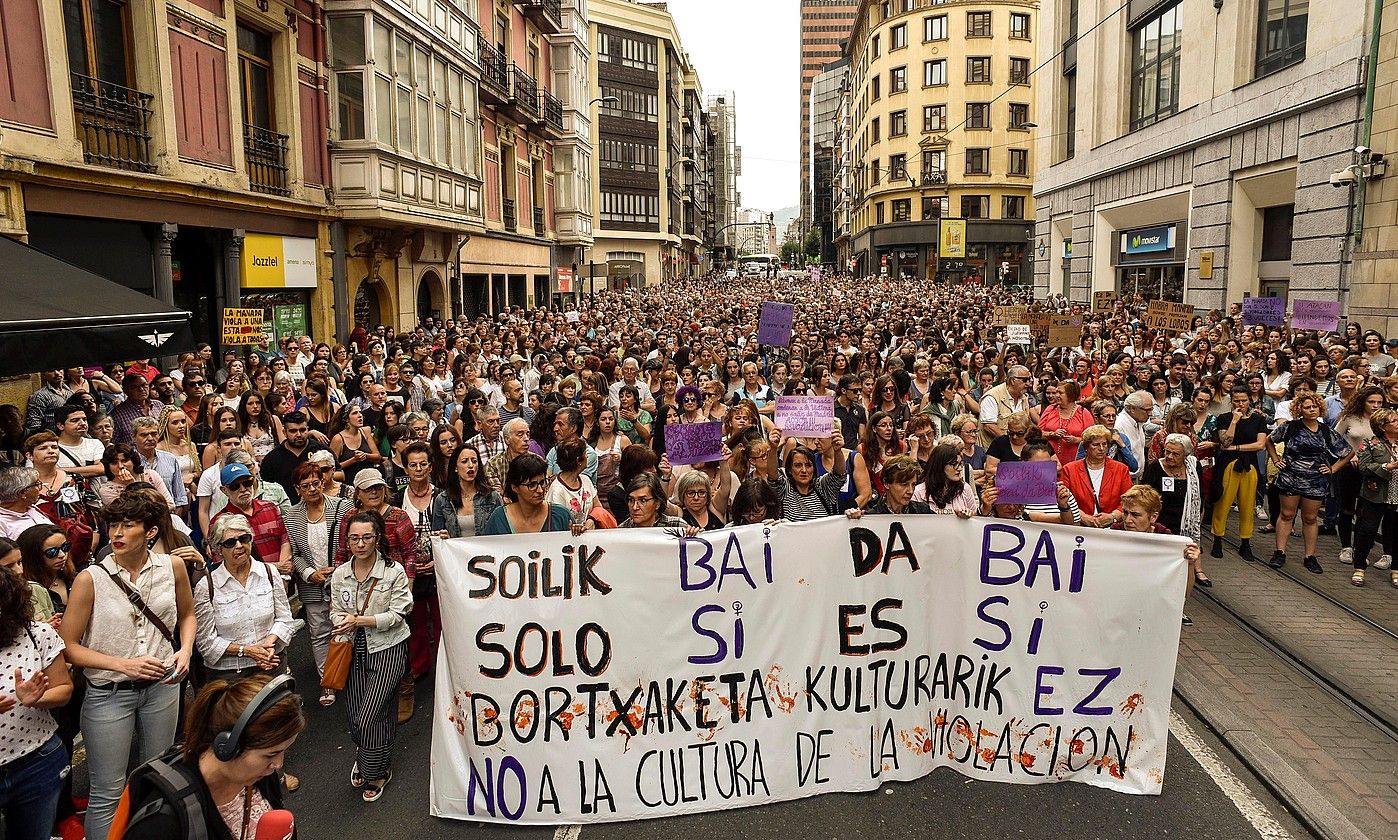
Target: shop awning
column 55, row 315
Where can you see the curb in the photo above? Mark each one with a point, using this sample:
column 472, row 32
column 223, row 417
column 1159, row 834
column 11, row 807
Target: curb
column 1311, row 808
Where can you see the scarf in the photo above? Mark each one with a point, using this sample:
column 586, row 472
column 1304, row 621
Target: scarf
column 1190, row 524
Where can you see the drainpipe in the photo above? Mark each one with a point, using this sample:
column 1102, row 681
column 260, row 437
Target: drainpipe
column 1371, row 71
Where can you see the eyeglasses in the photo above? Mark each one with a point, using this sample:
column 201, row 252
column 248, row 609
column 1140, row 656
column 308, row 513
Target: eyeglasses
column 53, row 552
column 633, row 501
column 361, row 539
column 536, row 485
column 233, row 542
column 241, row 484
column 698, row 493
column 1019, row 433
column 478, row 401
column 309, row 485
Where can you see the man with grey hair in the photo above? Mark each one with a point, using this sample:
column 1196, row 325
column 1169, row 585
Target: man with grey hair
column 488, row 441
column 1003, row 400
column 145, row 433
column 631, row 375
column 1131, row 422
column 516, row 438
column 19, row 492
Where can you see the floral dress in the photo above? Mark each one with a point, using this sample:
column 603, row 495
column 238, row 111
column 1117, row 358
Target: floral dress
column 1306, row 452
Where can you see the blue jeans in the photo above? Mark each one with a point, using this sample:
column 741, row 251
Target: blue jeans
column 29, row 788
column 110, row 719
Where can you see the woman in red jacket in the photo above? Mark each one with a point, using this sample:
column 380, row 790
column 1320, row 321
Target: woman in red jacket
column 1097, row 481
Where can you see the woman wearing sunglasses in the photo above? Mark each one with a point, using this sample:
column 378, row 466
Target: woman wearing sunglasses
column 241, row 607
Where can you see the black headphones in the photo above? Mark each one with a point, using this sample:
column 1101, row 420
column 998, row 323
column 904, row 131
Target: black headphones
column 228, row 743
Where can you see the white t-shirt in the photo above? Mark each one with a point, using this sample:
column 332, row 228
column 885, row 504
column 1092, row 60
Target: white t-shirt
column 576, row 501
column 22, row 729
column 85, row 454
column 209, row 482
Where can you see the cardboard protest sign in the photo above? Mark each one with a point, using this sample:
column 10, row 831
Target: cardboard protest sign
column 693, row 443
column 1268, row 311
column 1018, row 334
column 1026, row 482
column 1167, row 315
column 1039, row 323
column 630, row 674
column 806, row 416
column 1103, row 301
column 1323, row 315
column 1065, row 330
column 1006, row 315
column 242, row 326
column 774, row 323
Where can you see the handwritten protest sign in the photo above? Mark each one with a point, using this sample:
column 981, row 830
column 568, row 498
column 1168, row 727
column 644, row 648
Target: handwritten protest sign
column 1018, row 334
column 1026, row 482
column 774, row 323
column 806, row 416
column 1065, row 330
column 694, row 443
column 1103, row 301
column 1323, row 315
column 1167, row 315
column 1003, row 316
column 630, row 674
column 1268, row 311
column 242, row 326
column 1039, row 323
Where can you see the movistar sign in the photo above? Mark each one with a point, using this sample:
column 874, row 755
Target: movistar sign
column 1147, row 240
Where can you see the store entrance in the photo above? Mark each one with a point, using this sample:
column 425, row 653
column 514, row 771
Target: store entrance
column 1152, row 282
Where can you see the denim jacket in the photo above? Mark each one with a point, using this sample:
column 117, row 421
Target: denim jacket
column 389, row 603
column 444, row 514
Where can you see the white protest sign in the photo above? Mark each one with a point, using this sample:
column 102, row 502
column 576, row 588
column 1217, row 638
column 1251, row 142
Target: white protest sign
column 806, row 416
column 1018, row 334
column 629, row 674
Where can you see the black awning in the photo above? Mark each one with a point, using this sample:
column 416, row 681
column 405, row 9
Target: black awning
column 55, row 315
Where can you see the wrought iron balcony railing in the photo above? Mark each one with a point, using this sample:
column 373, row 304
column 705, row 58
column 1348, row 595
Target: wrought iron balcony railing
column 113, row 124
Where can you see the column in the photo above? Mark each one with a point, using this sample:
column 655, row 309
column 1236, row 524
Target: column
column 339, row 280
column 233, row 276
column 164, row 268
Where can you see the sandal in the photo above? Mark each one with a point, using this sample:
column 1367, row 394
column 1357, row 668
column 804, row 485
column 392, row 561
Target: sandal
column 356, row 778
column 327, row 698
column 373, row 790
column 1269, row 528
column 1202, row 580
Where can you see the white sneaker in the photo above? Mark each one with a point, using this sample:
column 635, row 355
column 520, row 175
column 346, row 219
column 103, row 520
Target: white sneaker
column 1347, row 556
column 1261, row 512
column 1384, row 562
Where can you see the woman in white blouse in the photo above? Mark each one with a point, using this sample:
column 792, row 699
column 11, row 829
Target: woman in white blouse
column 241, row 607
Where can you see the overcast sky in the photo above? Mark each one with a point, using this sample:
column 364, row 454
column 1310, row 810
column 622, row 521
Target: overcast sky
column 752, row 47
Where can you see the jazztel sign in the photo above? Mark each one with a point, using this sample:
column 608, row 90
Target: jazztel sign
column 278, row 262
column 1148, row 240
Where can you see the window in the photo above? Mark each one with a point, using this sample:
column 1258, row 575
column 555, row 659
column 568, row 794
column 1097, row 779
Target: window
column 255, row 76
column 978, row 70
column 934, row 118
column 874, row 46
column 1019, row 71
column 1012, row 207
column 349, row 57
column 616, row 48
column 874, row 90
column 898, row 80
column 874, row 129
column 934, row 28
column 898, row 168
column 1019, row 115
column 934, row 207
column 878, row 212
column 1281, row 34
column 897, row 123
column 978, row 24
column 902, row 209
column 934, row 72
column 1155, row 67
column 898, row 37
column 934, row 167
column 633, row 155
column 977, row 161
column 629, row 103
column 1019, row 161
column 98, row 40
column 1019, row 25
column 1070, row 114
column 978, row 115
column 630, row 208
column 975, row 206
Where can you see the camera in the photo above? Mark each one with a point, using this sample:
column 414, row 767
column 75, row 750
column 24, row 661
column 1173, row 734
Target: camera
column 1346, row 177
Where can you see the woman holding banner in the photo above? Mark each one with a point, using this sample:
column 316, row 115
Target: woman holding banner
column 1097, row 481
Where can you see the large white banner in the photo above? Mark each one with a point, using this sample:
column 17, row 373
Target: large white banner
column 632, row 674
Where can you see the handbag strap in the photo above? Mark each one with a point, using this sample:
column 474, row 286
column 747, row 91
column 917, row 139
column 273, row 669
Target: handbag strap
column 367, row 596
column 139, row 603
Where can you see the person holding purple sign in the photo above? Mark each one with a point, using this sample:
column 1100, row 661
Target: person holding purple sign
column 944, row 488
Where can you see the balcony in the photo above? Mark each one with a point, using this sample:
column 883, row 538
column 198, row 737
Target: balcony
column 495, row 74
column 525, row 92
column 539, row 229
column 553, row 113
column 546, row 14
column 266, row 156
column 113, row 124
column 507, row 206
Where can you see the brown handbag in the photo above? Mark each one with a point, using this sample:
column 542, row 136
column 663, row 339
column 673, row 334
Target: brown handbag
column 341, row 654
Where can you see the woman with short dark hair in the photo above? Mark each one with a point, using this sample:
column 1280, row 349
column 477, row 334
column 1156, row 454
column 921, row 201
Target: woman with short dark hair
column 527, row 511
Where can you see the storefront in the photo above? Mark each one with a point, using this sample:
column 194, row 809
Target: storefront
column 279, row 276
column 1150, row 261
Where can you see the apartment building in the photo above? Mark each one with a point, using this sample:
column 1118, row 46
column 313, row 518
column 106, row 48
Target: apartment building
column 826, row 90
column 174, row 148
column 1187, row 148
column 725, row 165
column 825, row 25
column 573, row 151
column 939, row 127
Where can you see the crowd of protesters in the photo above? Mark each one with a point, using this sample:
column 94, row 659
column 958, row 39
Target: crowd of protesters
column 192, row 522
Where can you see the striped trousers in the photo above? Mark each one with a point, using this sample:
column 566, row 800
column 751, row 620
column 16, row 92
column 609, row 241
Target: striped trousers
column 371, row 704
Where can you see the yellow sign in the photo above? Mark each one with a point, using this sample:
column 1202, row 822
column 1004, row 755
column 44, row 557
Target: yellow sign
column 951, row 242
column 278, row 262
column 242, row 326
column 1206, row 265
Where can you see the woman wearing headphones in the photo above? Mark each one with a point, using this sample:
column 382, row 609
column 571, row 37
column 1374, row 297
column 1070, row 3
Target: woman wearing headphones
column 236, row 737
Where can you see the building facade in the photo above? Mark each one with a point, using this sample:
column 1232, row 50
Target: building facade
column 725, row 165
column 825, row 25
column 573, row 151
column 826, row 90
column 174, row 148
column 940, row 139
column 1373, row 287
column 1187, row 147
column 641, row 168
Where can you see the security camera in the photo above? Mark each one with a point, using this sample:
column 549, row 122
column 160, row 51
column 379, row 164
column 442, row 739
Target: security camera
column 1362, row 151
column 1343, row 178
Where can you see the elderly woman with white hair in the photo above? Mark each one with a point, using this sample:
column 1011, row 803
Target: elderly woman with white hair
column 1177, row 478
column 19, row 494
column 244, row 619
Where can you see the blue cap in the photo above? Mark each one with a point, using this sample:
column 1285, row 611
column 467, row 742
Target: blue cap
column 232, row 473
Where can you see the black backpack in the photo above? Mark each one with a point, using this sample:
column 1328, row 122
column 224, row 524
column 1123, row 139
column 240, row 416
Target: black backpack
column 161, row 787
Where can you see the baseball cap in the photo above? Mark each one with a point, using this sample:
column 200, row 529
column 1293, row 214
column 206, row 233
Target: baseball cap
column 232, row 473
column 369, row 478
column 516, row 359
column 1392, row 342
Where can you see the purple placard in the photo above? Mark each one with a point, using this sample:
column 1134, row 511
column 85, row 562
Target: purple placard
column 774, row 323
column 1322, row 315
column 1026, row 482
column 694, row 443
column 806, row 416
column 1267, row 311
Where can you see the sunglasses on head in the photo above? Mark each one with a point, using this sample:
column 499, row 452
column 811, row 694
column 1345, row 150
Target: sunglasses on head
column 233, row 542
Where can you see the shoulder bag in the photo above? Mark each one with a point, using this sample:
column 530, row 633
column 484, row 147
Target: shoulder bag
column 341, row 654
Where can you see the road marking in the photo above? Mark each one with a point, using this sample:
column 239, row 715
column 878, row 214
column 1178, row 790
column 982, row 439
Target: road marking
column 567, row 832
column 1238, row 793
